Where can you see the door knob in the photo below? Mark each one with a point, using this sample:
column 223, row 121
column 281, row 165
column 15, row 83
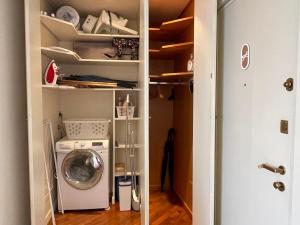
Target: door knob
column 279, row 186
column 289, row 84
column 281, row 169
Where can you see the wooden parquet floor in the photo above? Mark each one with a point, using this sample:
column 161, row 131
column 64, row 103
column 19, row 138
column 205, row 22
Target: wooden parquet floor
column 165, row 209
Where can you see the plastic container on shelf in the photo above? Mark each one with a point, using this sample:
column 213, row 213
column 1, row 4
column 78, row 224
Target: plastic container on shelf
column 121, row 111
column 87, row 128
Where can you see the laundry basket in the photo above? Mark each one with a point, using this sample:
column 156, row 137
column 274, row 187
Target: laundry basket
column 87, row 128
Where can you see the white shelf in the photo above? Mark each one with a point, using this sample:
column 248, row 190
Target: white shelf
column 70, row 58
column 128, row 9
column 121, row 119
column 65, row 31
column 119, row 174
column 69, row 88
column 122, row 146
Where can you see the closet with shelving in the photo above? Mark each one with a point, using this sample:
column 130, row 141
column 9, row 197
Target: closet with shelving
column 165, row 94
column 171, row 48
column 81, row 54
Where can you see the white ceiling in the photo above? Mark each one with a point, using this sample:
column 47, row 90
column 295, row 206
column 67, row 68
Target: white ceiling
column 161, row 10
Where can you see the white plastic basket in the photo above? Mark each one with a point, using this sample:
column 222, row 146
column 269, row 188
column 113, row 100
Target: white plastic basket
column 87, row 128
column 121, row 111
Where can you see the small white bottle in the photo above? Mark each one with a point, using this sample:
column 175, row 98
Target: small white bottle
column 190, row 64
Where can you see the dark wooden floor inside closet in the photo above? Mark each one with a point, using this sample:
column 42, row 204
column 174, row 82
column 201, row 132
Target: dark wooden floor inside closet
column 165, row 209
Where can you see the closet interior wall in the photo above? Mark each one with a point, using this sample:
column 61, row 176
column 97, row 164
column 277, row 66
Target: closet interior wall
column 183, row 123
column 161, row 115
column 161, row 119
column 166, row 114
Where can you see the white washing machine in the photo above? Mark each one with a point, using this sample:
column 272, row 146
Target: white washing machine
column 83, row 172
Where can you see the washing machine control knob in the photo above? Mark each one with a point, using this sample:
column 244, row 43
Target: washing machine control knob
column 64, row 146
column 78, row 145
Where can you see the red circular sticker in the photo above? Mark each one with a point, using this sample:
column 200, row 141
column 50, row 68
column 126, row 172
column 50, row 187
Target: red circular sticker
column 245, row 56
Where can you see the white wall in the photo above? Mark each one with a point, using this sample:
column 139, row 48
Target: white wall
column 14, row 188
column 204, row 111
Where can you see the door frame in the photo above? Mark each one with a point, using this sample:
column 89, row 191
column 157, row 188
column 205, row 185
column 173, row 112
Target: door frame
column 204, row 111
column 34, row 110
column 144, row 110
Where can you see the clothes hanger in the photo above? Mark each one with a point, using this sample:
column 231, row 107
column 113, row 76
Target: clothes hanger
column 160, row 95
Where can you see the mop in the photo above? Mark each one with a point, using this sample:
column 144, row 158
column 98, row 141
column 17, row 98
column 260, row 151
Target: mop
column 130, row 151
column 135, row 197
column 127, row 127
column 126, row 183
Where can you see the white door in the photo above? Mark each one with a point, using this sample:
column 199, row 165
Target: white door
column 252, row 104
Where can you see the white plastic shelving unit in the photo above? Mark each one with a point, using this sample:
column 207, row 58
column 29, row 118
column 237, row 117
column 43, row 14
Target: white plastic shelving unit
column 119, row 123
column 120, row 174
column 122, row 119
column 122, row 146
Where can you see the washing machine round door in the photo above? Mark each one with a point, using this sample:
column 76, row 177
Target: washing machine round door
column 82, row 169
